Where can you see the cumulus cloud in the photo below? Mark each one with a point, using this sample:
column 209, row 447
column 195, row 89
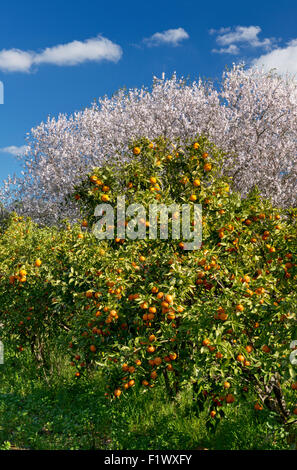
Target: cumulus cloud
column 14, row 150
column 72, row 53
column 283, row 59
column 240, row 36
column 170, row 37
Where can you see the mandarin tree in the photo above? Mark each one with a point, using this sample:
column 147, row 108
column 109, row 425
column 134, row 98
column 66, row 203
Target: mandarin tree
column 153, row 313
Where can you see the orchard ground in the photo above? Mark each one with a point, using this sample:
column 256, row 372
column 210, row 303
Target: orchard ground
column 66, row 414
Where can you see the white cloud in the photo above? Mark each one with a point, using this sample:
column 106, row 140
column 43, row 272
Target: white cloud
column 14, row 150
column 72, row 53
column 172, row 37
column 232, row 49
column 14, row 60
column 283, row 59
column 242, row 35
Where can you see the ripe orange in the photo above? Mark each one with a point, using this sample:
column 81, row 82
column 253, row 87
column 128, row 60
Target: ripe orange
column 258, row 407
column 117, row 392
column 93, row 348
column 206, row 342
column 38, row 263
column 169, row 298
column 227, row 385
column 157, row 361
column 136, row 150
column 229, row 398
column 240, row 358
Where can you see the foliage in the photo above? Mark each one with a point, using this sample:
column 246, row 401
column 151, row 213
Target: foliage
column 219, row 320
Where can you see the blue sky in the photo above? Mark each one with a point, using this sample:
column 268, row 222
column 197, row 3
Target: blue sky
column 118, row 44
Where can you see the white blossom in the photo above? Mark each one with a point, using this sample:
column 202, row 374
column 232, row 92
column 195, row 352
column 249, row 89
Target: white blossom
column 250, row 114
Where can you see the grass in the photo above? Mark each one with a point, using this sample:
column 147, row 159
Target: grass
column 64, row 413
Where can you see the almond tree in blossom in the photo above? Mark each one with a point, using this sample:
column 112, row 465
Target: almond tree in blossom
column 250, row 114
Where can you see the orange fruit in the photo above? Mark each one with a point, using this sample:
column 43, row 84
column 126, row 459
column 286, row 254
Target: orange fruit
column 206, row 342
column 229, row 398
column 169, row 299
column 258, row 407
column 136, row 150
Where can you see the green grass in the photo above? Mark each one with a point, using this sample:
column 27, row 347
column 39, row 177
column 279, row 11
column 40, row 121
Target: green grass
column 64, row 413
